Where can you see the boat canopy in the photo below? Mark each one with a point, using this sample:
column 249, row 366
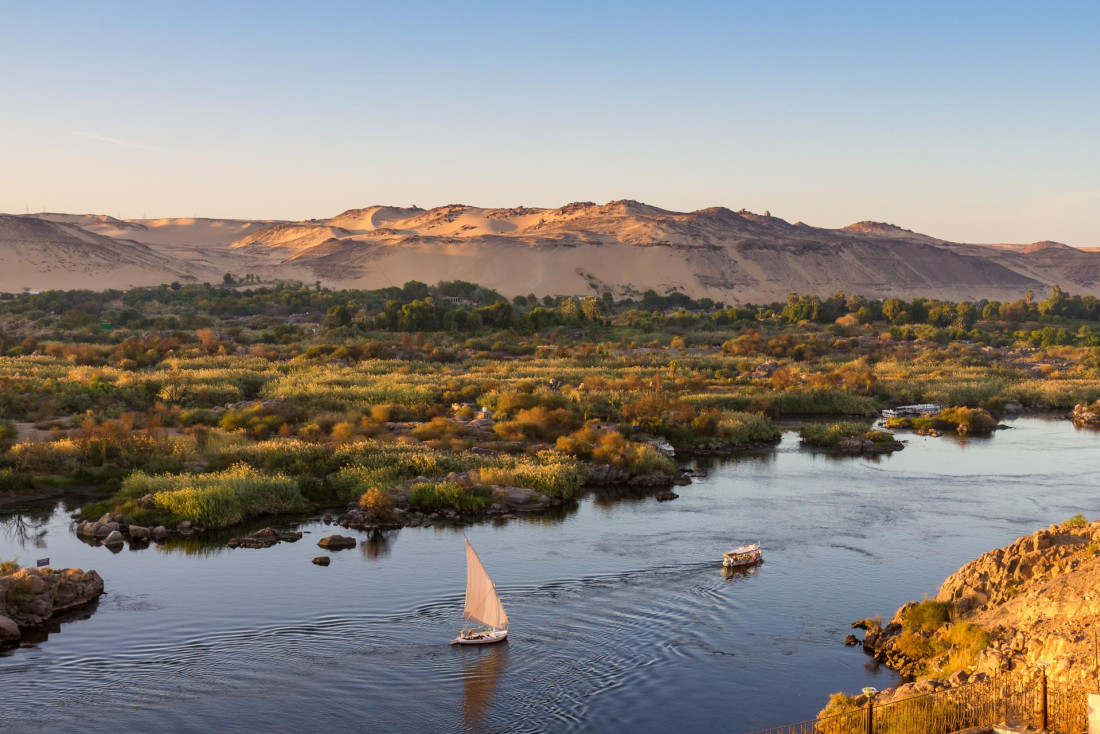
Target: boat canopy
column 482, row 603
column 751, row 548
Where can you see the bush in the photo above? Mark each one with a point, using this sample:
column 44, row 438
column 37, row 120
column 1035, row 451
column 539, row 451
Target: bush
column 7, row 568
column 926, row 616
column 1077, row 521
column 378, row 506
column 829, row 435
column 740, row 428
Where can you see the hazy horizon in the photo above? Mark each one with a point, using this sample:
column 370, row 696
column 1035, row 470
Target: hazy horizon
column 969, row 123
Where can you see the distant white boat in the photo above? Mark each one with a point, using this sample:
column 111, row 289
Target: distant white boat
column 912, row 411
column 482, row 607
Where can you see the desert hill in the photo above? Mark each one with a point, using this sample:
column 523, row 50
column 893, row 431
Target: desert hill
column 628, row 247
column 623, row 246
column 41, row 254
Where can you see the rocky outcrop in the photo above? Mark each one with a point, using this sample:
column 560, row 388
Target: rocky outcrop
column 336, row 542
column 113, row 530
column 31, row 597
column 1037, row 598
column 606, row 474
column 861, row 445
column 264, row 538
column 1086, row 415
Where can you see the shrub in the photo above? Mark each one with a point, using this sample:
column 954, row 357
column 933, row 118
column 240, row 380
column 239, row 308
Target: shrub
column 926, row 616
column 7, row 568
column 739, row 428
column 12, row 482
column 829, row 435
column 1077, row 521
column 378, row 505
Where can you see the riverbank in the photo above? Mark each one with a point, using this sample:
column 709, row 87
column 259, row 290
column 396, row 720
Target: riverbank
column 1033, row 603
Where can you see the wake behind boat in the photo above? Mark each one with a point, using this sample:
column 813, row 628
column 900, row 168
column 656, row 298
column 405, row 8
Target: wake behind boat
column 482, row 605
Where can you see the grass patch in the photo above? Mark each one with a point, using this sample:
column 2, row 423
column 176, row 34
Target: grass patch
column 214, row 500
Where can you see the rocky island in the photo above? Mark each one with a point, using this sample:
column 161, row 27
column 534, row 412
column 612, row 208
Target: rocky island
column 33, row 597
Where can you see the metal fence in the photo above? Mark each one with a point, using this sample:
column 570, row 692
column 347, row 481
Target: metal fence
column 1019, row 700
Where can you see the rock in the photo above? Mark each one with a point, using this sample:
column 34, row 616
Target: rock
column 666, row 495
column 1042, row 540
column 114, row 538
column 185, row 526
column 101, row 530
column 851, row 640
column 9, row 631
column 159, row 532
column 147, row 500
column 86, row 528
column 681, row 480
column 138, row 533
column 336, row 542
column 322, row 560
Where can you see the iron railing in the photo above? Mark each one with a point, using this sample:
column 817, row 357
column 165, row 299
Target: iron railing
column 1018, row 700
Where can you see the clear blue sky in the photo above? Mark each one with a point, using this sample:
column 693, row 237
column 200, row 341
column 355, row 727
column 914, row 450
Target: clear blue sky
column 976, row 121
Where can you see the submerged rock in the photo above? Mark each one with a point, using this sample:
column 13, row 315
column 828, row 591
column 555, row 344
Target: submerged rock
column 264, row 538
column 322, row 560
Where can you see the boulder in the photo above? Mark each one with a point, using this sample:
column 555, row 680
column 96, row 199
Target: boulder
column 9, row 631
column 322, row 560
column 159, row 532
column 666, row 495
column 336, row 542
column 138, row 533
column 851, row 640
column 114, row 538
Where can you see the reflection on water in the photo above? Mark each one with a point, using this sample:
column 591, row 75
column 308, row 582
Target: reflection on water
column 377, row 544
column 482, row 671
column 622, row 616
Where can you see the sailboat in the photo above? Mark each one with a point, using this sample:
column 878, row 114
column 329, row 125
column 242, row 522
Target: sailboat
column 483, row 606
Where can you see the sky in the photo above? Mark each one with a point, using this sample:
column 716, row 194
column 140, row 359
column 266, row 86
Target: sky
column 970, row 121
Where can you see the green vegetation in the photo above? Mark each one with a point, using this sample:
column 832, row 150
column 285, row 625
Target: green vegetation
column 338, row 392
column 962, row 420
column 7, row 568
column 937, row 643
column 214, row 500
column 1077, row 521
column 829, row 435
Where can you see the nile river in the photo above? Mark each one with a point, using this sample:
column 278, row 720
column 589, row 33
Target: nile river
column 622, row 618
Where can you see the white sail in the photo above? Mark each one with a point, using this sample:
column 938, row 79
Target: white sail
column 482, row 603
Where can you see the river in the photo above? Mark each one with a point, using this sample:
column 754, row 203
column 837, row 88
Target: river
column 622, row 618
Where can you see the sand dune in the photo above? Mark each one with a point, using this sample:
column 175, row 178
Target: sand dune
column 40, row 254
column 625, row 247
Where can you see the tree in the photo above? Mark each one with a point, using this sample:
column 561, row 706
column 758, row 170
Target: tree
column 591, row 309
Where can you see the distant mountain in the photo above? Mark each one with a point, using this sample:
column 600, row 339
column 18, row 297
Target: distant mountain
column 625, row 247
column 40, row 254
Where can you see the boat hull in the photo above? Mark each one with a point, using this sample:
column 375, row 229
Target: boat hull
column 482, row 638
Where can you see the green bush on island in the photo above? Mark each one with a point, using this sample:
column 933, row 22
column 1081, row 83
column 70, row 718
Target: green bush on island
column 961, row 420
column 830, row 435
column 386, row 465
column 743, row 428
column 1077, row 521
column 214, row 500
column 444, row 495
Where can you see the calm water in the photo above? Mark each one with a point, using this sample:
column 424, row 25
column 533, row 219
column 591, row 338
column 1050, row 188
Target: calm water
column 621, row 615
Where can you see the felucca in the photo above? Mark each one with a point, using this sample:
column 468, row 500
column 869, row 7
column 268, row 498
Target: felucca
column 483, row 606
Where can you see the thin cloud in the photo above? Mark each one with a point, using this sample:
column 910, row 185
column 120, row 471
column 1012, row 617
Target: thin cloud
column 113, row 141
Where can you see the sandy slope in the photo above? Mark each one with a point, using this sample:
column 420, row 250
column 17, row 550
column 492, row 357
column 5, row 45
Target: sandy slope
column 39, row 254
column 623, row 246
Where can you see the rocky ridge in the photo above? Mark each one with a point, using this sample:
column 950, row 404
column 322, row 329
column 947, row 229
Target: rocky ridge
column 1037, row 598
